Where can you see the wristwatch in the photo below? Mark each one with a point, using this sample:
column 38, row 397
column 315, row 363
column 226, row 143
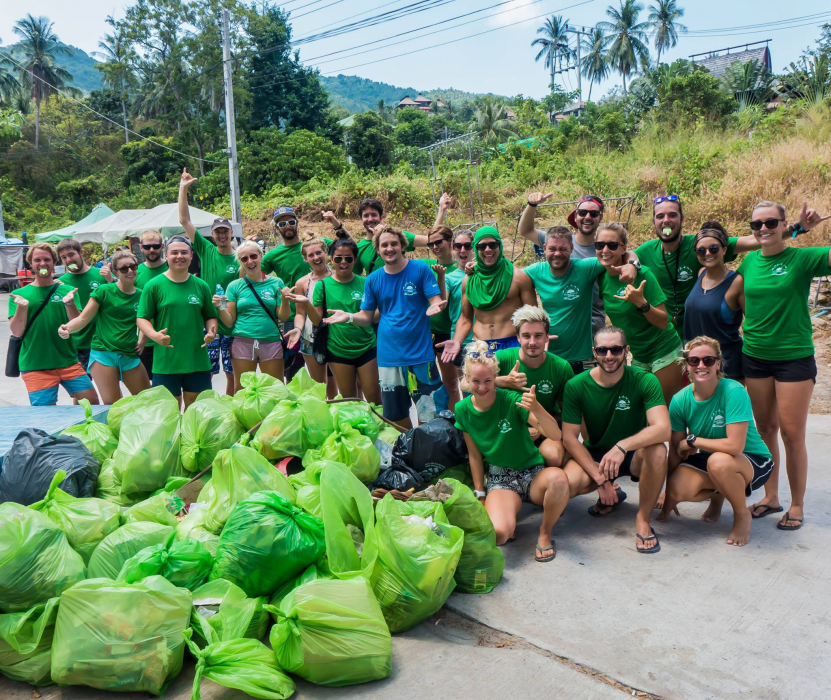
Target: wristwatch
column 635, row 263
column 691, row 438
column 338, row 227
column 645, row 307
column 479, row 494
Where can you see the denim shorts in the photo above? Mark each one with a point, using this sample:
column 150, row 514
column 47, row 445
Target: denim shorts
column 124, row 363
column 412, row 383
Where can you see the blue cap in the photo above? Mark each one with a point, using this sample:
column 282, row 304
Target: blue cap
column 283, row 211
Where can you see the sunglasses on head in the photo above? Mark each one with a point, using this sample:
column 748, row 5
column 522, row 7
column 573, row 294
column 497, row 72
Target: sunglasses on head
column 708, row 361
column 666, row 198
column 490, row 245
column 151, row 246
column 477, row 355
column 593, row 213
column 712, row 249
column 616, row 350
column 767, row 223
column 343, row 258
column 127, row 268
column 433, row 244
column 246, row 258
column 287, row 222
column 611, row 245
column 462, row 246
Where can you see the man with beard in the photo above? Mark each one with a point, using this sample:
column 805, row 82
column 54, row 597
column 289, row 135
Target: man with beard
column 151, row 244
column 492, row 294
column 219, row 267
column 626, row 423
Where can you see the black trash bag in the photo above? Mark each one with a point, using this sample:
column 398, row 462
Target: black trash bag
column 400, row 478
column 35, row 457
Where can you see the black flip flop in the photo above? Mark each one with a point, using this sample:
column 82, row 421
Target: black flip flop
column 789, row 528
column 767, row 510
column 651, row 550
column 593, row 510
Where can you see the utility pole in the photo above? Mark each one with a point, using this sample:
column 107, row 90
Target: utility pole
column 2, row 227
column 230, row 119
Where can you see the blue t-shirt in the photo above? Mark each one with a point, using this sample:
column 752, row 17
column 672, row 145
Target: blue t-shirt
column 404, row 336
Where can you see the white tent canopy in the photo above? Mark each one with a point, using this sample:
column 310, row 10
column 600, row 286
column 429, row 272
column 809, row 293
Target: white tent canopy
column 133, row 222
column 99, row 212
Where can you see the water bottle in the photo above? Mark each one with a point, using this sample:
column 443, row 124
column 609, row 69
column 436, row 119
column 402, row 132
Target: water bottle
column 220, row 292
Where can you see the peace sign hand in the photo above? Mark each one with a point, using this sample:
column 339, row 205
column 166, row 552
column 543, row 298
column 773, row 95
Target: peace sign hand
column 536, row 198
column 634, row 295
column 809, row 218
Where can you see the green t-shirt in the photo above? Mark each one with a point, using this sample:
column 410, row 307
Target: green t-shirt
column 86, row 283
column 217, row 269
column 681, row 265
column 777, row 324
column 501, row 432
column 182, row 308
column 453, row 282
column 709, row 419
column 42, row 347
column 286, row 261
column 143, row 275
column 611, row 413
column 116, row 330
column 568, row 300
column 440, row 323
column 550, row 377
column 369, row 261
column 252, row 321
column 647, row 342
column 347, row 340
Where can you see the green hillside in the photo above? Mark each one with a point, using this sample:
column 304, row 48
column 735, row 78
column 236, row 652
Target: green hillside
column 80, row 64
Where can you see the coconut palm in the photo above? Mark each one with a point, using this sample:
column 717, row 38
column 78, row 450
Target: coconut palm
column 553, row 44
column 9, row 85
column 492, row 123
column 663, row 19
column 596, row 59
column 40, row 74
column 118, row 74
column 626, row 39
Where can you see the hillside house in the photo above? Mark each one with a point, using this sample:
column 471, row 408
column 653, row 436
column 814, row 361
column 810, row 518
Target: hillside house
column 717, row 62
column 420, row 102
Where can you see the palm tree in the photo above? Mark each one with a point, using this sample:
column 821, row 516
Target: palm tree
column 449, row 109
column 596, row 60
column 40, row 74
column 382, row 108
column 116, row 55
column 663, row 18
column 627, row 38
column 750, row 83
column 553, row 44
column 492, row 123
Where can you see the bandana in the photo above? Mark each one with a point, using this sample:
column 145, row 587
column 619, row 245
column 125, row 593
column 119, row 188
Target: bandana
column 586, row 198
column 488, row 286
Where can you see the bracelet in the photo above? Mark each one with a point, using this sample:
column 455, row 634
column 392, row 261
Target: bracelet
column 530, row 204
column 351, row 318
column 338, row 227
column 797, row 230
column 620, row 448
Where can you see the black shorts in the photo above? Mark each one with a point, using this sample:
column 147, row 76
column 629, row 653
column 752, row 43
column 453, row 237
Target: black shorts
column 762, row 467
column 358, row 361
column 83, row 358
column 440, row 338
column 191, row 382
column 598, row 453
column 146, row 358
column 800, row 370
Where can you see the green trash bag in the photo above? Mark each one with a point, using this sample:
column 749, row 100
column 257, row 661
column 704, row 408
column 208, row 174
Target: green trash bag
column 313, row 573
column 84, row 521
column 148, row 446
column 238, row 473
column 97, row 437
column 357, row 415
column 348, row 519
column 109, row 487
column 161, row 508
column 118, row 410
column 222, row 612
column 114, row 635
column 208, row 426
column 302, row 384
column 186, row 564
column 307, row 486
column 418, row 551
column 116, row 548
column 356, row 451
column 26, row 643
column 266, row 542
column 36, row 561
column 460, row 473
column 389, row 434
column 243, row 664
column 192, row 527
column 293, row 427
column 482, row 562
column 332, row 633
column 259, row 394
column 172, row 484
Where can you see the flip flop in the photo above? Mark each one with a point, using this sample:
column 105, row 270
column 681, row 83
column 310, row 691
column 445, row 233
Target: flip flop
column 651, row 550
column 542, row 549
column 789, row 527
column 594, row 510
column 767, row 510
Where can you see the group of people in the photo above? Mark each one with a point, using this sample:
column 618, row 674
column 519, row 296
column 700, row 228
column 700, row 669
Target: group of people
column 548, row 403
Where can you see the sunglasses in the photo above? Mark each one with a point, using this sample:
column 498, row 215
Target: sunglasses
column 616, row 350
column 246, row 258
column 708, row 361
column 493, row 245
column 666, row 198
column 477, row 355
column 127, row 268
column 463, row 246
column 288, row 222
column 433, row 244
column 151, row 246
column 611, row 245
column 593, row 213
column 767, row 223
column 343, row 258
column 712, row 249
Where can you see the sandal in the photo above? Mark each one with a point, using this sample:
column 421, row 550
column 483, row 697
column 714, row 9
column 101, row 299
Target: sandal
column 594, row 510
column 542, row 549
column 651, row 550
column 781, row 524
column 767, row 510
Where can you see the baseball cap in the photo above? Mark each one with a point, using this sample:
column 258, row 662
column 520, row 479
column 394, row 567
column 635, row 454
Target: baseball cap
column 585, row 198
column 284, row 211
column 221, row 223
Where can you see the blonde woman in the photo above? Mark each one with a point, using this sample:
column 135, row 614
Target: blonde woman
column 495, row 426
column 255, row 306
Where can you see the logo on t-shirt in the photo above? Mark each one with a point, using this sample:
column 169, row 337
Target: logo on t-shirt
column 410, row 289
column 231, row 269
column 193, row 299
column 135, row 307
column 267, row 294
column 622, row 291
column 571, row 292
column 685, row 274
column 56, row 298
column 504, row 426
column 94, row 285
column 622, row 404
column 779, row 269
column 357, row 296
column 718, row 418
column 545, row 387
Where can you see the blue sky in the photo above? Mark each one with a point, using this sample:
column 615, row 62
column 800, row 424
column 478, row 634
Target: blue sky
column 501, row 61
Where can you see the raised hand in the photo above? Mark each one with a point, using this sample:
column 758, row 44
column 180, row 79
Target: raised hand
column 436, row 308
column 445, row 202
column 19, row 300
column 634, row 295
column 529, row 400
column 329, row 216
column 518, row 380
column 186, row 180
column 450, row 348
column 809, row 218
column 63, row 331
column 439, row 270
column 626, row 273
column 163, row 339
column 338, row 316
column 536, row 198
column 106, row 272
column 70, row 297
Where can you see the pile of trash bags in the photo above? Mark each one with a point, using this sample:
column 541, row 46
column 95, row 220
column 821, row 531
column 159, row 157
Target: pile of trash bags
column 126, row 545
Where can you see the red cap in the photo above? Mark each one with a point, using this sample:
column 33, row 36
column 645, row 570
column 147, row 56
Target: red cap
column 585, row 198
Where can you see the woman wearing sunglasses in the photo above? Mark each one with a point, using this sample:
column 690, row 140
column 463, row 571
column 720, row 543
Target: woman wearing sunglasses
column 116, row 343
column 463, row 254
column 715, row 450
column 255, row 308
column 639, row 309
column 713, row 308
column 439, row 243
column 778, row 351
column 495, row 426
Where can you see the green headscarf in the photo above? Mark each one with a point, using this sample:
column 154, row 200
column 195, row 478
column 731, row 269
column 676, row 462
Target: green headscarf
column 488, row 286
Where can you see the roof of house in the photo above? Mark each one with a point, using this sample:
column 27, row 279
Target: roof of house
column 407, row 102
column 422, row 98
column 573, row 107
column 509, row 113
column 718, row 65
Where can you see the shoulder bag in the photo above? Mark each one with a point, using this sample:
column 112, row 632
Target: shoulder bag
column 268, row 313
column 16, row 344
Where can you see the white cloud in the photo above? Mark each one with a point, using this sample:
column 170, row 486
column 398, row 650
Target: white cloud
column 515, row 11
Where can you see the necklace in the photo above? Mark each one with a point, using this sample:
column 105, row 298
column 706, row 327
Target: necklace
column 707, row 289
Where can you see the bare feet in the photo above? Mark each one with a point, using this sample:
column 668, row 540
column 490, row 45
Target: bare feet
column 740, row 534
column 713, row 512
column 544, row 550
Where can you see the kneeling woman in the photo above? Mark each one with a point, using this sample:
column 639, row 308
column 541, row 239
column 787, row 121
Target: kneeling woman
column 715, row 451
column 495, row 426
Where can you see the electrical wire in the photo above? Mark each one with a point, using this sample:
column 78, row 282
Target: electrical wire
column 337, row 2
column 756, row 26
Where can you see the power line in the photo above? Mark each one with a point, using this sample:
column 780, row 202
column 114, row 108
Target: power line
column 761, row 24
column 337, row 2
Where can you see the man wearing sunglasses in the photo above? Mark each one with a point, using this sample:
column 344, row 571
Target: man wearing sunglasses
column 626, row 423
column 152, row 247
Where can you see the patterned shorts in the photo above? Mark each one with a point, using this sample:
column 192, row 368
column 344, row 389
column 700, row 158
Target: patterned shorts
column 517, row 480
column 221, row 342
